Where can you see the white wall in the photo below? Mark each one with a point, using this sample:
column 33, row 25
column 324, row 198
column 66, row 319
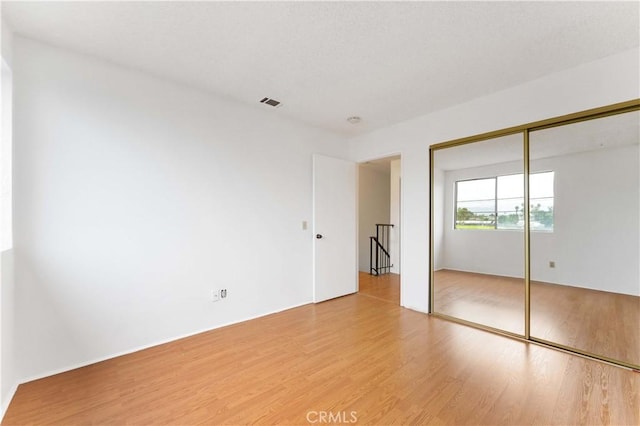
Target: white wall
column 602, row 82
column 6, row 41
column 394, row 216
column 8, row 380
column 6, row 149
column 134, row 197
column 373, row 207
column 596, row 238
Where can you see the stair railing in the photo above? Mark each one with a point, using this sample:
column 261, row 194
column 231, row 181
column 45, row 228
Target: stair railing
column 379, row 257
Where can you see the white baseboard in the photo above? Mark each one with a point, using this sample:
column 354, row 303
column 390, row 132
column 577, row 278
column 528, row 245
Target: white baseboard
column 416, row 309
column 480, row 272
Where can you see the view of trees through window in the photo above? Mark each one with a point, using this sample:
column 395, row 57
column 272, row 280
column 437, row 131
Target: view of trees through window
column 498, row 202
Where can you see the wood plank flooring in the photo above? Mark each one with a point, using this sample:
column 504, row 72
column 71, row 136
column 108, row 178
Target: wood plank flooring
column 384, row 287
column 594, row 321
column 353, row 356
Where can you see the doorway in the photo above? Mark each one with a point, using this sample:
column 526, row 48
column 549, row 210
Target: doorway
column 379, row 224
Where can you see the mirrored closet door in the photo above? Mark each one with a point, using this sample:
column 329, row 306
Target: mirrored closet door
column 585, row 236
column 478, row 234
column 535, row 232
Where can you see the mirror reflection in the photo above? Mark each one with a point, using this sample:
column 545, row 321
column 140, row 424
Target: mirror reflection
column 478, row 225
column 585, row 240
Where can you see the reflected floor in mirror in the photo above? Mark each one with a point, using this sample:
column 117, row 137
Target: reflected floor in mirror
column 598, row 322
column 490, row 300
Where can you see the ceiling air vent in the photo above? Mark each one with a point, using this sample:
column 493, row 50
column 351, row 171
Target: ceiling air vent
column 270, row 101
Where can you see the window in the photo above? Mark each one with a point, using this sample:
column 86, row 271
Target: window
column 498, row 202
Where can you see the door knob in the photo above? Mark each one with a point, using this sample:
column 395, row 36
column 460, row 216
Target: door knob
column 318, row 236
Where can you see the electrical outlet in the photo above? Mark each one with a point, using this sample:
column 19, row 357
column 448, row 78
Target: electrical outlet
column 215, row 295
column 223, row 293
column 552, row 264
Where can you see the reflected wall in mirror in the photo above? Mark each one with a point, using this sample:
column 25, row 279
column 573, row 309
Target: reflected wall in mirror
column 585, row 272
column 478, row 239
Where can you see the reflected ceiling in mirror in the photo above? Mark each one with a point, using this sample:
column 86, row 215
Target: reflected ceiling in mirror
column 591, row 135
column 500, row 150
column 604, row 133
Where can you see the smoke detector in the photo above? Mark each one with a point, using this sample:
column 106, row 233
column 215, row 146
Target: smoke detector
column 354, row 120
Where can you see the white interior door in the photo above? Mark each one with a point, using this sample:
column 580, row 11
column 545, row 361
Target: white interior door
column 334, row 228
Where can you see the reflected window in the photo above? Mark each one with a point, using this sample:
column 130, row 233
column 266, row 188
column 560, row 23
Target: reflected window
column 498, row 202
column 476, row 204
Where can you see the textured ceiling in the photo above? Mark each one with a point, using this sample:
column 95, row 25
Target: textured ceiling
column 326, row 61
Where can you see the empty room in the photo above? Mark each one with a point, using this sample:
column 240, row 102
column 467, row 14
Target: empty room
column 320, row 213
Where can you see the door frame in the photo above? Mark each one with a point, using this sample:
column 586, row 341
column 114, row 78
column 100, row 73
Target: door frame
column 401, row 215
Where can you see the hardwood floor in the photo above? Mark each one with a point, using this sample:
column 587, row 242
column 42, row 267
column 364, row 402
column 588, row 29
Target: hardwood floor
column 594, row 321
column 352, row 357
column 384, row 287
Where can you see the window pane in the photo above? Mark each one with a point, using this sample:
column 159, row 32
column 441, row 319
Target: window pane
column 475, row 207
column 480, row 189
column 511, row 201
column 511, row 205
column 510, row 213
column 511, row 186
column 541, row 198
column 541, row 185
column 480, row 206
column 541, row 214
